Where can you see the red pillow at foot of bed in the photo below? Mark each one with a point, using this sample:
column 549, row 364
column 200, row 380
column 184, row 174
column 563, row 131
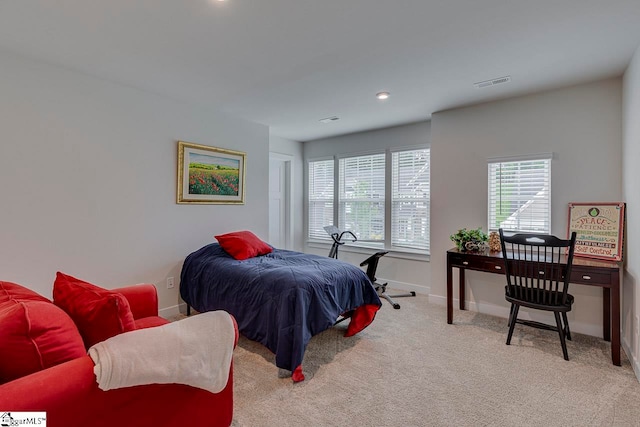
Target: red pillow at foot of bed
column 361, row 318
column 297, row 375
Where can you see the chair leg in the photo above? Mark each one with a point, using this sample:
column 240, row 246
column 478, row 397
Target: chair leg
column 567, row 332
column 514, row 317
column 510, row 314
column 561, row 333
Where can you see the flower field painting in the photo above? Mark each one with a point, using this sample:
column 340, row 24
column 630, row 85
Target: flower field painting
column 209, row 174
column 213, row 175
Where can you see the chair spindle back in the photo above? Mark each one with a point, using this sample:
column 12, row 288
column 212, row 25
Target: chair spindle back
column 538, row 266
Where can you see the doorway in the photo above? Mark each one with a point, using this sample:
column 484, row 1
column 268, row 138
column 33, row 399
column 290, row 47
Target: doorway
column 280, row 216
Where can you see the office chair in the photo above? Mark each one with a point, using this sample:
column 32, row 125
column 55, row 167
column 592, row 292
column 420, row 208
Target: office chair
column 538, row 271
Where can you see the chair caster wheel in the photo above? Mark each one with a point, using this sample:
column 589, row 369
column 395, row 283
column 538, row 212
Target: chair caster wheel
column 396, row 306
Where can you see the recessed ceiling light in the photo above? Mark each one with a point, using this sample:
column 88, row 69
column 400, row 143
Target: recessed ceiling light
column 382, row 95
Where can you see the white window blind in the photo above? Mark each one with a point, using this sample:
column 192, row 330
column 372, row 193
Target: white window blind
column 519, row 195
column 361, row 196
column 321, row 185
column 410, row 196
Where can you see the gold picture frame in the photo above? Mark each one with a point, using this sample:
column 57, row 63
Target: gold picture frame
column 210, row 175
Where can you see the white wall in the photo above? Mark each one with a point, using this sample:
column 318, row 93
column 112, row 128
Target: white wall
column 581, row 125
column 292, row 148
column 630, row 180
column 88, row 172
column 399, row 272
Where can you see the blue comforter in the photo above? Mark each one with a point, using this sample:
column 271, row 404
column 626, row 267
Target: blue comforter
column 281, row 299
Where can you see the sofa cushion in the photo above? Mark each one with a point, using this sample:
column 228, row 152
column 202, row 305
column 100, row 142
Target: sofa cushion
column 243, row 245
column 35, row 335
column 98, row 313
column 12, row 291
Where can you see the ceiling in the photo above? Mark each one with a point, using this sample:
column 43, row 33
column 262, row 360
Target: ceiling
column 289, row 63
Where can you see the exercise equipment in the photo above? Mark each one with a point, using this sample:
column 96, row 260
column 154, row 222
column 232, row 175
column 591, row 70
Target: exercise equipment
column 371, row 263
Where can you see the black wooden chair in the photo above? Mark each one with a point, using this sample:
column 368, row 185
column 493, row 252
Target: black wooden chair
column 538, row 267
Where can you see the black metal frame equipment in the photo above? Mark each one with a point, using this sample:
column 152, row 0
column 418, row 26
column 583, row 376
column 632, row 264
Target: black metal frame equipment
column 371, row 263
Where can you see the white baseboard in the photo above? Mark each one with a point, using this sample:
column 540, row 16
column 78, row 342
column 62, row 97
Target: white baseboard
column 174, row 310
column 503, row 311
column 634, row 361
column 403, row 286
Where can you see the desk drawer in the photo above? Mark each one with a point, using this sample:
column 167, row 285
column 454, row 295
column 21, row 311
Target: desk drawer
column 495, row 265
column 481, row 263
column 463, row 261
column 586, row 276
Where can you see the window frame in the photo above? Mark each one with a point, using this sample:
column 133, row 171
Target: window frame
column 339, row 201
column 309, row 201
column 490, row 184
column 392, row 197
column 364, row 246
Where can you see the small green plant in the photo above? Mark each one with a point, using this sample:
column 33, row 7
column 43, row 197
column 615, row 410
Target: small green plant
column 469, row 239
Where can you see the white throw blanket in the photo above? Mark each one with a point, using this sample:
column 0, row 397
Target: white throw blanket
column 195, row 351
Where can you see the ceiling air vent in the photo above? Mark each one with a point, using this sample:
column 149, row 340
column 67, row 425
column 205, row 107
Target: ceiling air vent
column 493, row 82
column 329, row 119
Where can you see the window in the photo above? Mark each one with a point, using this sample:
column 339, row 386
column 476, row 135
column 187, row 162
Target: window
column 320, row 198
column 361, row 197
column 410, row 199
column 382, row 198
column 519, row 194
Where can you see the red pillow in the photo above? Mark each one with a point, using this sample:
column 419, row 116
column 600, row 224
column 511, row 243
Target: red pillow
column 12, row 291
column 35, row 335
column 98, row 313
column 243, row 245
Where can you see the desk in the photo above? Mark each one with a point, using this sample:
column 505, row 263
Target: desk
column 585, row 271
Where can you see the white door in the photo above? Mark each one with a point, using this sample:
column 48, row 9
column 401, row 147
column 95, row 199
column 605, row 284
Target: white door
column 279, row 201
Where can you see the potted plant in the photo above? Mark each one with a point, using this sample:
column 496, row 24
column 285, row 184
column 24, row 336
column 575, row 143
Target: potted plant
column 469, row 240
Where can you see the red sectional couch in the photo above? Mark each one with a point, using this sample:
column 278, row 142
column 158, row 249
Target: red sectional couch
column 44, row 365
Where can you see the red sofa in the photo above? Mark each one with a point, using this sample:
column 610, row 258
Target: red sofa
column 30, row 330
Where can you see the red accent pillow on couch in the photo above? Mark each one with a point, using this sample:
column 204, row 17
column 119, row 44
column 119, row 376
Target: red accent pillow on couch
column 98, row 313
column 243, row 245
column 14, row 292
column 34, row 333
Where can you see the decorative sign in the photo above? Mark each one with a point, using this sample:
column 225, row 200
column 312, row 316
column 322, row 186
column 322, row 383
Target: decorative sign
column 599, row 229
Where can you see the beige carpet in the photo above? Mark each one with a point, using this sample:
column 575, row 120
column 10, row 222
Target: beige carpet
column 410, row 368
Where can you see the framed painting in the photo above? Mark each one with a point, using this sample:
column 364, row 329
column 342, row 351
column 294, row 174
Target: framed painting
column 209, row 174
column 599, row 229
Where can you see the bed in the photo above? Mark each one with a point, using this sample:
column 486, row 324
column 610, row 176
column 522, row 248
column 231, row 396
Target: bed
column 280, row 299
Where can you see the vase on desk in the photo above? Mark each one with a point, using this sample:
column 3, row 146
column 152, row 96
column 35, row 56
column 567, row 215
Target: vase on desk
column 474, row 246
column 494, row 242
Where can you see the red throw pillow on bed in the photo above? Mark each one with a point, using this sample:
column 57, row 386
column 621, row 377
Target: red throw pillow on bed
column 98, row 313
column 243, row 245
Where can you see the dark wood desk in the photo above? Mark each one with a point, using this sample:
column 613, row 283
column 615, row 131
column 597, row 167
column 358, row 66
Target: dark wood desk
column 585, row 271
